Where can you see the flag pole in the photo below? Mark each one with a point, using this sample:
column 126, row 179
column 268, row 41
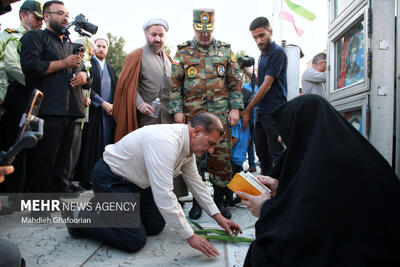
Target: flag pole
column 281, row 20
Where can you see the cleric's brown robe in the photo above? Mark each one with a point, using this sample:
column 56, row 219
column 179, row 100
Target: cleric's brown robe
column 124, row 106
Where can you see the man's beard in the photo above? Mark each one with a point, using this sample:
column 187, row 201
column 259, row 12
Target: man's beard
column 100, row 56
column 156, row 46
column 56, row 27
column 267, row 45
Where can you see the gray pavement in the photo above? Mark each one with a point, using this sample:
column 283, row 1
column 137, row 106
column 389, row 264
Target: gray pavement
column 51, row 245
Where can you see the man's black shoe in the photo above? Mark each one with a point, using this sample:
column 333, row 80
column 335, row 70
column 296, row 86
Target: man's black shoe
column 195, row 211
column 219, row 193
column 74, row 232
column 223, row 209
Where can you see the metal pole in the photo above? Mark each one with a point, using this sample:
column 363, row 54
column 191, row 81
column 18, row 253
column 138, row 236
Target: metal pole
column 281, row 21
column 397, row 99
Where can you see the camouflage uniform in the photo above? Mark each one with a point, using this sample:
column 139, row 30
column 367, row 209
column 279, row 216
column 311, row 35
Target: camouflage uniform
column 207, row 79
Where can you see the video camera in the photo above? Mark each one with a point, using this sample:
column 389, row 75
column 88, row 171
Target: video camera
column 31, row 130
column 78, row 48
column 246, row 61
column 82, row 26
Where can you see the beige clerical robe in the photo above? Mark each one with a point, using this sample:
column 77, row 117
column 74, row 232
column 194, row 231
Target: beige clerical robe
column 154, row 81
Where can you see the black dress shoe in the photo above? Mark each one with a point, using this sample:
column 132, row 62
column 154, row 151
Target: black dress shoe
column 223, row 209
column 219, row 193
column 195, row 211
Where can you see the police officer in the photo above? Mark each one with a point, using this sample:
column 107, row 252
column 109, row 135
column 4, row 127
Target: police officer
column 205, row 77
column 14, row 96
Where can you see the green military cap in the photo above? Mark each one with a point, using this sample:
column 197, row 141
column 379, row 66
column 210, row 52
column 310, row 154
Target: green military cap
column 203, row 20
column 33, row 6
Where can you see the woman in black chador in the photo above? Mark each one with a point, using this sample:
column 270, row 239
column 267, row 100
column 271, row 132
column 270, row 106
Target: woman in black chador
column 338, row 200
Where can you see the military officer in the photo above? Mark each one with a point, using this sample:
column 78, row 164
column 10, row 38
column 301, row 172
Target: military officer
column 205, row 78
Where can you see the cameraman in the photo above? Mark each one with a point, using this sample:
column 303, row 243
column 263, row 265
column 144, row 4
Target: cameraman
column 271, row 94
column 48, row 63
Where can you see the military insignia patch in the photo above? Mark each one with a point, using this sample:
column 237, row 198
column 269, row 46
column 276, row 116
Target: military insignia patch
column 220, row 54
column 192, row 71
column 233, row 58
column 221, row 70
column 204, row 17
column 176, row 61
column 11, row 31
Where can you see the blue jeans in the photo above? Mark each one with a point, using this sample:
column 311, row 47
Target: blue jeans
column 129, row 239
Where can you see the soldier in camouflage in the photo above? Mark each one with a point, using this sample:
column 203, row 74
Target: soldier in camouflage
column 205, row 78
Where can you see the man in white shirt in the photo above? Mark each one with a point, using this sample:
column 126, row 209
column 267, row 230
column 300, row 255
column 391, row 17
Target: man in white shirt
column 145, row 162
column 314, row 78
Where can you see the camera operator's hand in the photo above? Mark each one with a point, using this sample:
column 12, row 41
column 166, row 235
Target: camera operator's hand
column 80, row 78
column 248, row 71
column 5, row 170
column 72, row 61
column 245, row 119
column 233, row 117
column 179, row 117
column 108, row 107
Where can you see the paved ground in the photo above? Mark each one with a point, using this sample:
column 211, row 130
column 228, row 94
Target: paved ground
column 50, row 245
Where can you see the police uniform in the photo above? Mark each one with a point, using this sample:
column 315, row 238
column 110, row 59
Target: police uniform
column 10, row 68
column 206, row 78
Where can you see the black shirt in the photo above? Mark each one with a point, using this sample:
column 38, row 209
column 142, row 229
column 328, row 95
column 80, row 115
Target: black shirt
column 39, row 48
column 273, row 62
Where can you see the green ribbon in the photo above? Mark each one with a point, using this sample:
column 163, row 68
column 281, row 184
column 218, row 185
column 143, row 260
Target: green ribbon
column 88, row 73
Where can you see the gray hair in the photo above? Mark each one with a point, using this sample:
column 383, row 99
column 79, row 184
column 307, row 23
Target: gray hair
column 208, row 121
column 318, row 57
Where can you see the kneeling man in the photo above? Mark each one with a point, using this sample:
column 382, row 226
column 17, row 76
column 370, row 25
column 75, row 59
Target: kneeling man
column 145, row 162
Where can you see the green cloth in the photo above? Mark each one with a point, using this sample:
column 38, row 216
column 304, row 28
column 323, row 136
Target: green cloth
column 300, row 10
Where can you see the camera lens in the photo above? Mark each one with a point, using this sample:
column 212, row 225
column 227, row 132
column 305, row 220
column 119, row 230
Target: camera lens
column 89, row 27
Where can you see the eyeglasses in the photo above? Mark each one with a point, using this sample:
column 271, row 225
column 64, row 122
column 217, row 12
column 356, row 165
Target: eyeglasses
column 61, row 13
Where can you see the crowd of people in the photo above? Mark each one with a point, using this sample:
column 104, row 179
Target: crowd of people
column 155, row 131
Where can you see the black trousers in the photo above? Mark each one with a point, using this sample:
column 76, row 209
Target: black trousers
column 15, row 103
column 129, row 239
column 50, row 157
column 268, row 149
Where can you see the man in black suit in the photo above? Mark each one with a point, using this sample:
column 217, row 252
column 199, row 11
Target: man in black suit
column 99, row 132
